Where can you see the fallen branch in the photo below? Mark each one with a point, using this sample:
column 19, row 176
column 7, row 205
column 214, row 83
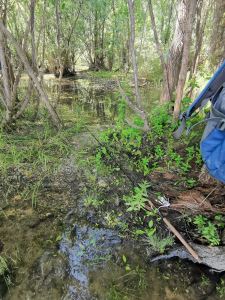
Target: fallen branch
column 176, row 233
column 181, row 239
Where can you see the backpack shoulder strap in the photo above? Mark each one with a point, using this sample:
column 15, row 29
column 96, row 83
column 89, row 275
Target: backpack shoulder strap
column 211, row 88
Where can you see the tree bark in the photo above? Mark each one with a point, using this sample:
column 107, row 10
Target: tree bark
column 173, row 62
column 185, row 58
column 217, row 49
column 159, row 49
column 133, row 53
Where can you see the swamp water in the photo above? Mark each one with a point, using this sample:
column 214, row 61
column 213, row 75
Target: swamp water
column 69, row 257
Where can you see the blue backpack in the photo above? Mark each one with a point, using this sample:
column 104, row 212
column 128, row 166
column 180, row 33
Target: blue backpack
column 212, row 144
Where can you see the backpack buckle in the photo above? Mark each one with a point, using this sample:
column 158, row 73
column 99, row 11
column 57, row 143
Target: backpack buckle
column 221, row 125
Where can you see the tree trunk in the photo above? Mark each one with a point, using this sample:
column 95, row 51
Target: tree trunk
column 4, row 67
column 133, row 53
column 32, row 75
column 138, row 105
column 175, row 52
column 202, row 13
column 32, row 30
column 217, row 49
column 159, row 49
column 185, row 57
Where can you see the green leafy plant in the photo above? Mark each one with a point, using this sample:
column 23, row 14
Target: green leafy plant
column 92, row 201
column 143, row 165
column 207, row 229
column 219, row 221
column 150, row 230
column 204, row 281
column 136, row 201
column 220, row 288
column 160, row 244
column 127, row 266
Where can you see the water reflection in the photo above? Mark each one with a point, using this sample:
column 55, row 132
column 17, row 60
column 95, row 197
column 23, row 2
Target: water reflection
column 96, row 100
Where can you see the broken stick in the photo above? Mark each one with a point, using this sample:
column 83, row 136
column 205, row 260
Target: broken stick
column 177, row 234
column 181, row 239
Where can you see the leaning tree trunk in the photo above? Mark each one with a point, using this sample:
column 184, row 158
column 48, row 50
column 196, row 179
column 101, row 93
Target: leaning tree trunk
column 44, row 97
column 173, row 62
column 185, row 57
column 7, row 100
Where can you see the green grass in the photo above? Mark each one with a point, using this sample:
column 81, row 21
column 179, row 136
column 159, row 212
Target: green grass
column 35, row 150
column 3, row 266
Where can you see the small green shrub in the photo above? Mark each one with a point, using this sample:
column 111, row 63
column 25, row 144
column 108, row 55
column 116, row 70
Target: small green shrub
column 160, row 244
column 93, row 201
column 136, row 200
column 207, row 229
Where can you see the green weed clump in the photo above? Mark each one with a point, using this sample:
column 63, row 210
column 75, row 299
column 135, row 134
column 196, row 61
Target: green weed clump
column 3, row 266
column 136, row 201
column 160, row 244
column 4, row 271
column 124, row 151
column 209, row 229
column 220, row 288
column 35, row 151
column 146, row 152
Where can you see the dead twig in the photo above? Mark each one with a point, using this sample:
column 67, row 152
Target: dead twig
column 207, row 196
column 176, row 233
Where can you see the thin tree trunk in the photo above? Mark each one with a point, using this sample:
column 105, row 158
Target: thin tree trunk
column 32, row 30
column 44, row 34
column 185, row 58
column 5, row 79
column 133, row 54
column 32, row 75
column 58, row 38
column 217, row 44
column 202, row 13
column 159, row 49
column 138, row 105
column 175, row 52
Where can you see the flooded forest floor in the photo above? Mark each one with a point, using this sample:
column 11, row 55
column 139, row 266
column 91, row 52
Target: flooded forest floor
column 73, row 217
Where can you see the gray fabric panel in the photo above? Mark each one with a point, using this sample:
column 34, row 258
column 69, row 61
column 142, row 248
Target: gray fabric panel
column 218, row 110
